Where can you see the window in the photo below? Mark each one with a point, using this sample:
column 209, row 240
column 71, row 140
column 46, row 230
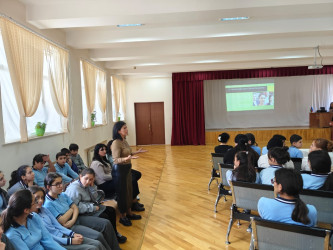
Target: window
column 118, row 99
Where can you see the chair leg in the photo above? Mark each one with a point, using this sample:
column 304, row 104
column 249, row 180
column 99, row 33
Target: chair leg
column 218, row 198
column 238, row 223
column 228, row 232
column 210, row 182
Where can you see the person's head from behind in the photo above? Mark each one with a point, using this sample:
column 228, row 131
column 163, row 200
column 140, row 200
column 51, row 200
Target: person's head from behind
column 223, row 138
column 53, row 183
column 281, row 137
column 120, row 130
column 24, row 173
column 87, row 177
column 241, row 159
column 274, row 142
column 2, row 179
column 100, row 152
column 290, row 183
column 61, row 158
column 296, row 141
column 108, row 147
column 38, row 161
column 319, row 162
column 74, row 149
column 19, row 204
column 240, row 138
column 321, row 144
column 278, row 156
column 38, row 197
column 251, row 139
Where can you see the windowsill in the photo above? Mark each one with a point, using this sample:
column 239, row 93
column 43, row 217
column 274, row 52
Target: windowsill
column 34, row 137
column 96, row 126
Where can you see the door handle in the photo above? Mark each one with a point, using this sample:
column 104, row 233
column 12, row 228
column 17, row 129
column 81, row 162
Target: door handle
column 149, row 127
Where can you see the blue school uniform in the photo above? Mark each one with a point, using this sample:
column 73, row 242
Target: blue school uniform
column 34, row 236
column 280, row 210
column 257, row 149
column 40, row 176
column 267, row 174
column 59, row 206
column 64, row 171
column 295, row 152
column 264, row 151
column 313, row 181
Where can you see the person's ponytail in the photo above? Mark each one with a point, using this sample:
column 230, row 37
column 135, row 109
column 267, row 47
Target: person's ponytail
column 300, row 212
column 7, row 219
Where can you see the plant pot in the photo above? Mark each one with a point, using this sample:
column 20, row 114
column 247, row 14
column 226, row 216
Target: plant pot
column 93, row 123
column 40, row 131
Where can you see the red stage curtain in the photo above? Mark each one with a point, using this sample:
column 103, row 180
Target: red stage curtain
column 188, row 123
column 188, row 119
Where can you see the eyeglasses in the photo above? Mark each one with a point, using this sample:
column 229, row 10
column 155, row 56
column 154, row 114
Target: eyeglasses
column 58, row 184
column 273, row 181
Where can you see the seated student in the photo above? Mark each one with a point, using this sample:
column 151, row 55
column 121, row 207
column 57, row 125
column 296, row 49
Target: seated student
column 287, row 207
column 40, row 170
column 296, row 143
column 69, row 160
column 5, row 243
column 67, row 213
column 281, row 137
column 4, row 197
column 22, row 178
column 318, row 144
column 76, row 158
column 320, row 165
column 24, row 229
column 64, row 169
column 83, row 193
column 65, row 237
column 136, row 175
column 276, row 158
column 252, row 142
column 241, row 145
column 243, row 170
column 223, row 147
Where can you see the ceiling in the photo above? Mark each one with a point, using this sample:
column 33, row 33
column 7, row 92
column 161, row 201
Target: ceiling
column 187, row 35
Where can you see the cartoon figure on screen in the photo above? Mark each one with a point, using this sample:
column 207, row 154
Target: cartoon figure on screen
column 271, row 99
column 255, row 99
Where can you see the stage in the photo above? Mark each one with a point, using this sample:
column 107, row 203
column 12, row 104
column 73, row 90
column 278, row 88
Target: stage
column 263, row 135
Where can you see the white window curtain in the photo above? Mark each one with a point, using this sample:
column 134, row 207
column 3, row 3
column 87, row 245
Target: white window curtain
column 322, row 91
column 20, row 66
column 92, row 83
column 118, row 91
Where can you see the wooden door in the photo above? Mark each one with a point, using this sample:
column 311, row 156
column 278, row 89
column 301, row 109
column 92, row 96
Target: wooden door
column 149, row 123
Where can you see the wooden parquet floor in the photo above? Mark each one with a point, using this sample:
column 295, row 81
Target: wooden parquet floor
column 179, row 209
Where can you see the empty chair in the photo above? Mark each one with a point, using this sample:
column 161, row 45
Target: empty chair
column 216, row 159
column 281, row 236
column 223, row 183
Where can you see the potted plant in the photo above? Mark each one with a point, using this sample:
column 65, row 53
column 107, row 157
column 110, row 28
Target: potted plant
column 93, row 118
column 40, row 128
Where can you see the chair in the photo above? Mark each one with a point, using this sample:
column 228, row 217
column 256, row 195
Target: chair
column 323, row 201
column 246, row 196
column 216, row 158
column 297, row 164
column 281, row 236
column 223, row 183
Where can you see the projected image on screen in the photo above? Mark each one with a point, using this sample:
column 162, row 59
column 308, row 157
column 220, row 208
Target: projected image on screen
column 250, row 97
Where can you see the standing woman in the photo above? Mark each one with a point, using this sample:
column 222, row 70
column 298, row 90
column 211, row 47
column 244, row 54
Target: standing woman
column 122, row 155
column 24, row 229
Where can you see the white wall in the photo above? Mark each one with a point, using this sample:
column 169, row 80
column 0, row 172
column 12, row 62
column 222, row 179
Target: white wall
column 148, row 90
column 16, row 154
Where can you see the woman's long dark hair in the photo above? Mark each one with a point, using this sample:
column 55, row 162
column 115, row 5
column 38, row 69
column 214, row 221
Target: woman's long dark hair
column 242, row 145
column 281, row 155
column 17, row 174
column 108, row 147
column 97, row 157
column 320, row 162
column 245, row 171
column 251, row 138
column 116, row 127
column 19, row 201
column 292, row 184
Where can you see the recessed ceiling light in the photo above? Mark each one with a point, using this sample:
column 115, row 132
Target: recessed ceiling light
column 234, row 18
column 129, row 25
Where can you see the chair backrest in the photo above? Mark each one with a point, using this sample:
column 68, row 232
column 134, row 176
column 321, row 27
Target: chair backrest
column 275, row 235
column 223, row 169
column 246, row 195
column 297, row 164
column 323, row 201
column 216, row 159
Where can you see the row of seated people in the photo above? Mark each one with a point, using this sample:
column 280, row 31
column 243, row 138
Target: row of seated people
column 80, row 189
